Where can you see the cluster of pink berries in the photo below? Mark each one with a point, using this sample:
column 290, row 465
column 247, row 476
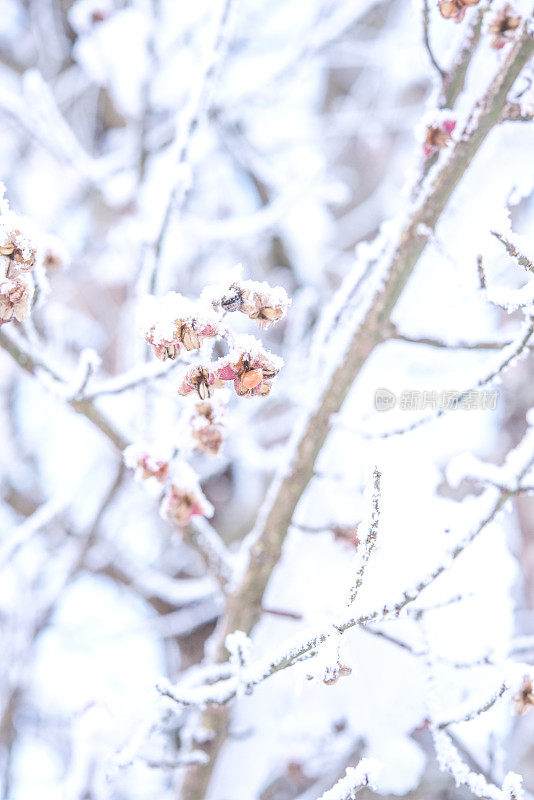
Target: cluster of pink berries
column 17, row 260
column 176, row 326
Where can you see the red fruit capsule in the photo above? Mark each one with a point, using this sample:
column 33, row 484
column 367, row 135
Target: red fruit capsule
column 252, row 378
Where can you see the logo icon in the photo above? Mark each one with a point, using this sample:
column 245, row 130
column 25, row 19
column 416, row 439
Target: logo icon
column 384, row 400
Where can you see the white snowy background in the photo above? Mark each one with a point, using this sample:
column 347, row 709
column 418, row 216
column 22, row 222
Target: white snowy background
column 308, row 138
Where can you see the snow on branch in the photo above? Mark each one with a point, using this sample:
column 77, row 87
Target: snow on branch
column 131, row 379
column 355, row 779
column 372, row 533
column 473, row 713
column 17, row 538
column 35, row 364
column 450, row 761
column 511, row 352
column 306, row 646
column 512, row 251
column 508, row 477
column 197, row 105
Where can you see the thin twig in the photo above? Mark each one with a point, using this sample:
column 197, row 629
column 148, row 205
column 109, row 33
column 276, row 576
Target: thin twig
column 138, row 376
column 370, row 541
column 399, row 260
column 33, row 365
column 197, row 106
column 226, row 689
column 481, row 273
column 512, row 250
column 441, row 344
column 477, row 711
column 38, row 520
column 205, row 540
column 426, row 41
column 523, row 344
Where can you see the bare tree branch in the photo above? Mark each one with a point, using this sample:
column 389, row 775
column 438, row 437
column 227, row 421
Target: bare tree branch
column 33, row 364
column 245, row 605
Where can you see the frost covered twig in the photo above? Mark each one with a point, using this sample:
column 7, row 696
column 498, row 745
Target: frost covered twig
column 418, row 653
column 372, row 532
column 426, row 40
column 513, row 350
column 450, row 761
column 42, row 615
column 492, row 502
column 456, row 75
column 444, row 345
column 32, row 525
column 472, row 714
column 205, row 539
column 33, row 365
column 366, row 330
column 354, row 780
column 197, row 105
column 512, row 251
column 137, row 376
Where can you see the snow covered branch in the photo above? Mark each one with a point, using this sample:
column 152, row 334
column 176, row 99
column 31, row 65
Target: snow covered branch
column 355, row 779
column 369, row 326
column 33, row 364
column 372, row 533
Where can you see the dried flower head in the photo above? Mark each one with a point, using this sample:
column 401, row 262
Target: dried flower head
column 200, row 379
column 250, row 367
column 183, row 498
column 264, row 305
column 257, row 299
column 438, row 136
column 524, row 699
column 231, row 301
column 333, row 674
column 455, row 9
column 503, row 27
column 146, row 464
column 180, row 506
column 16, row 296
column 178, row 322
column 209, row 439
column 17, row 251
column 162, row 349
column 207, row 426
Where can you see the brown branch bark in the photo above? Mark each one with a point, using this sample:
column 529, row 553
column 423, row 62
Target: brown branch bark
column 245, row 605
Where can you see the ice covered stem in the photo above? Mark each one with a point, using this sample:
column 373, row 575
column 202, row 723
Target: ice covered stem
column 244, row 607
column 512, row 251
column 372, row 329
column 354, row 780
column 372, row 532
